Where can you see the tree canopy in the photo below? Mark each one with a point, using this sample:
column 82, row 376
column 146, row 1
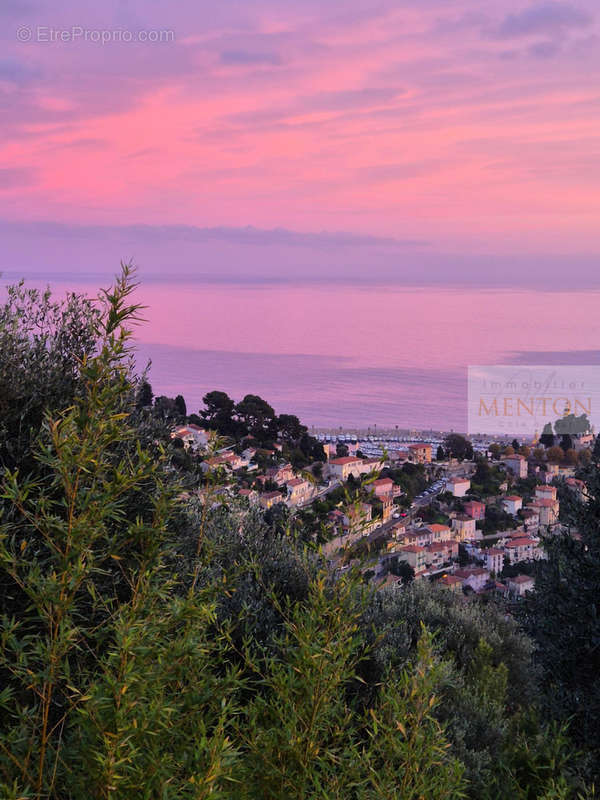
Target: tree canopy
column 458, row 446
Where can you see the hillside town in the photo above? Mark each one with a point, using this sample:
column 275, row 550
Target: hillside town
column 472, row 519
column 181, row 591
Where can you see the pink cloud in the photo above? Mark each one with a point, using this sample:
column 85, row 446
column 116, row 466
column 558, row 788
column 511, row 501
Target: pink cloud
column 351, row 118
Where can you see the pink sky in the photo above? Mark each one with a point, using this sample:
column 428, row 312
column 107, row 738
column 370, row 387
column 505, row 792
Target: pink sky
column 471, row 126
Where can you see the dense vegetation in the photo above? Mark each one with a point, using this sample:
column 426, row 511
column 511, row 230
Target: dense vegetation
column 157, row 646
column 254, row 420
column 563, row 618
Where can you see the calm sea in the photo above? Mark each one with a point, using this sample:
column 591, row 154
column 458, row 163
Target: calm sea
column 346, row 355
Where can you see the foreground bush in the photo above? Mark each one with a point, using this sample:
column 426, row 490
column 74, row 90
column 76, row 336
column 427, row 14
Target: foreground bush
column 119, row 680
column 149, row 649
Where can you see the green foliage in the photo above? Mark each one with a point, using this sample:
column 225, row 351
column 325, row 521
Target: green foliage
column 257, row 417
column 42, row 343
column 290, row 427
column 83, row 538
column 145, row 395
column 537, row 763
column 311, row 741
column 157, row 719
column 407, row 756
column 296, row 731
column 486, row 479
column 496, row 519
column 180, row 406
column 218, row 412
column 562, row 617
column 495, row 450
column 488, row 674
column 525, row 487
column 402, row 569
column 458, row 446
column 410, row 477
column 153, row 644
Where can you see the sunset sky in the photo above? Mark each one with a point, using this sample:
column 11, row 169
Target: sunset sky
column 428, row 140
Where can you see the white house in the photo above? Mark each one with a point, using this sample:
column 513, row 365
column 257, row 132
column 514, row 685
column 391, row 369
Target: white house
column 439, row 533
column 414, row 555
column 493, row 559
column 383, row 487
column 299, row 491
column 517, row 464
column 519, row 585
column 545, row 492
column 475, row 577
column 269, row 499
column 229, row 460
column 458, row 486
column 464, row 527
column 531, row 518
column 548, row 510
column 192, row 436
column 512, row 503
column 522, row 549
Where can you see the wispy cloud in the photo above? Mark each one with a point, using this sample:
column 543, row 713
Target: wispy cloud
column 13, row 70
column 543, row 18
column 321, row 102
column 383, row 173
column 245, row 58
column 13, row 9
column 191, row 233
column 545, row 49
column 11, row 177
column 308, row 116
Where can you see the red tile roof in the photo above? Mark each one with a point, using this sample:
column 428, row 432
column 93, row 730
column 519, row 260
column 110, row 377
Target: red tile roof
column 438, row 546
column 466, row 573
column 450, row 580
column 521, row 542
column 521, row 579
